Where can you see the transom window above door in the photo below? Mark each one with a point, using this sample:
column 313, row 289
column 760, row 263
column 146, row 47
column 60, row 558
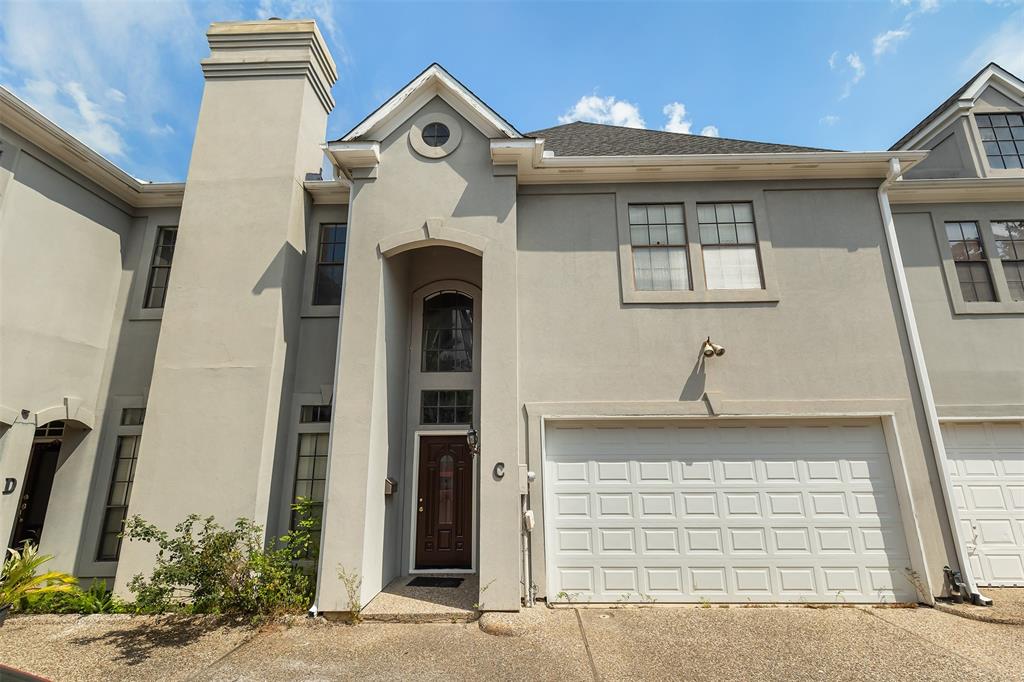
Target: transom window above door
column 447, row 332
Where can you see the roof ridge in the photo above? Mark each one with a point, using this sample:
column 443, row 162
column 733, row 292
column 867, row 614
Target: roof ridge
column 690, row 136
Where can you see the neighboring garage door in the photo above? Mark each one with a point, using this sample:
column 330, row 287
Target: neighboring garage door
column 987, row 468
column 725, row 511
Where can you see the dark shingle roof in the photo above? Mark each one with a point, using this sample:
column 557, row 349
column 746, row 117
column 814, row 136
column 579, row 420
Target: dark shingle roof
column 594, row 139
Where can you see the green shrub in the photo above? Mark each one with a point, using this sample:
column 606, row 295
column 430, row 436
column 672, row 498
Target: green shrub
column 205, row 568
column 19, row 580
column 76, row 600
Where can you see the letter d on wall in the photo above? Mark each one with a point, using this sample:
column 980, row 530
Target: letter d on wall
column 9, row 485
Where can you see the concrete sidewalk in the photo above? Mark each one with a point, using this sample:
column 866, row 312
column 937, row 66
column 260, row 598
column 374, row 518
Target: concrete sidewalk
column 565, row 644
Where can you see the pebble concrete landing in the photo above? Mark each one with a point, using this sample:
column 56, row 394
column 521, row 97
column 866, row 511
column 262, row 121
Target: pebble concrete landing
column 699, row 644
column 401, row 603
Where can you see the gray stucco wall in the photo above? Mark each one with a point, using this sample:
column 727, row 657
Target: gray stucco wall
column 70, row 254
column 835, row 333
column 972, row 358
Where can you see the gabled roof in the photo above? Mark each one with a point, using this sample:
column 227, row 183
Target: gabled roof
column 962, row 99
column 434, row 81
column 594, row 139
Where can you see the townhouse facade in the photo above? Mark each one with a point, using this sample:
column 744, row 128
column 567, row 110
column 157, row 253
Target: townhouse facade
column 585, row 363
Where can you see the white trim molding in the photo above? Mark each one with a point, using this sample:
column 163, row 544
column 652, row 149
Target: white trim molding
column 435, row 81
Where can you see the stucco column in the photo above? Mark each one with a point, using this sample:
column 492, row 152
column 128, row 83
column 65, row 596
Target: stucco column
column 500, row 557
column 15, row 449
column 230, row 324
column 358, row 430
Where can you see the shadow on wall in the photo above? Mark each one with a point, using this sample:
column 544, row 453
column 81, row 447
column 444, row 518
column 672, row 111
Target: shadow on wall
column 696, row 383
column 285, row 272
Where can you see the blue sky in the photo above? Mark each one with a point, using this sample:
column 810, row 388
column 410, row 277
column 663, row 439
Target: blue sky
column 124, row 76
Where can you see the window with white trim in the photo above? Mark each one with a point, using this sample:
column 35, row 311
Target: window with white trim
column 728, row 241
column 657, row 234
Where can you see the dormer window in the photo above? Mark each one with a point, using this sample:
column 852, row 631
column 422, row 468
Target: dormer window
column 1003, row 137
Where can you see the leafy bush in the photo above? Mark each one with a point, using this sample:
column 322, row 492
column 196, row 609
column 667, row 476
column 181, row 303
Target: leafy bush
column 205, row 568
column 18, row 578
column 76, row 600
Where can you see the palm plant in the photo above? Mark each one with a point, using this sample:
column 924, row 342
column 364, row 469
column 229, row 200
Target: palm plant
column 18, row 579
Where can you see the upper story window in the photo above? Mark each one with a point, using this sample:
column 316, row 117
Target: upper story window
column 160, row 267
column 1009, row 235
column 436, row 134
column 448, row 333
column 657, row 234
column 330, row 264
column 969, row 257
column 1003, row 137
column 729, row 243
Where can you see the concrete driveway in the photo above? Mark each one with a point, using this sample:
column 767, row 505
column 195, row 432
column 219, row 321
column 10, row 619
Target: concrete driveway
column 565, row 644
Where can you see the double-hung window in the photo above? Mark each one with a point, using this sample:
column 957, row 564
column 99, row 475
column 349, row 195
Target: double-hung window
column 972, row 270
column 657, row 234
column 1009, row 236
column 160, row 267
column 728, row 241
column 330, row 264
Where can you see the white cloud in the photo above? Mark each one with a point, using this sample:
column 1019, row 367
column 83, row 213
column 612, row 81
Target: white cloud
column 853, row 59
column 832, row 58
column 828, row 120
column 1004, row 47
column 76, row 71
column 856, row 67
column 886, row 42
column 676, row 114
column 607, row 110
column 321, row 10
column 709, row 131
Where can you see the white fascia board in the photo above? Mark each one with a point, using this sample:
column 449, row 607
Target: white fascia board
column 535, row 166
column 432, row 82
column 328, row 191
column 998, row 74
column 956, row 190
column 66, row 148
column 353, row 154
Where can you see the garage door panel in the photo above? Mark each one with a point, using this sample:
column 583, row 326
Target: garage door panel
column 734, row 513
column 987, row 469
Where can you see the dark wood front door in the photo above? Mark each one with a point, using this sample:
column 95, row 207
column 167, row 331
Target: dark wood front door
column 35, row 493
column 444, row 503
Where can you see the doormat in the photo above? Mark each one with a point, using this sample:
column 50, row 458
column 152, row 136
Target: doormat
column 432, row 581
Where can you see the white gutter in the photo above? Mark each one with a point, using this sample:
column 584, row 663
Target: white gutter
column 924, row 383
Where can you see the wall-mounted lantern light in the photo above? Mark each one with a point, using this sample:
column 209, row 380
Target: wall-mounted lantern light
column 473, row 440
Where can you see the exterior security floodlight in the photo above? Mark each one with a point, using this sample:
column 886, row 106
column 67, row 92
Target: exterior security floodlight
column 473, row 440
column 711, row 349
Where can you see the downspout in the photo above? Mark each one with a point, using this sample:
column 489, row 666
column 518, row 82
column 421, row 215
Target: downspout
column 924, row 383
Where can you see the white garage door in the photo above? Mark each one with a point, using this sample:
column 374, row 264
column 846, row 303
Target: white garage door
column 730, row 511
column 987, row 468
